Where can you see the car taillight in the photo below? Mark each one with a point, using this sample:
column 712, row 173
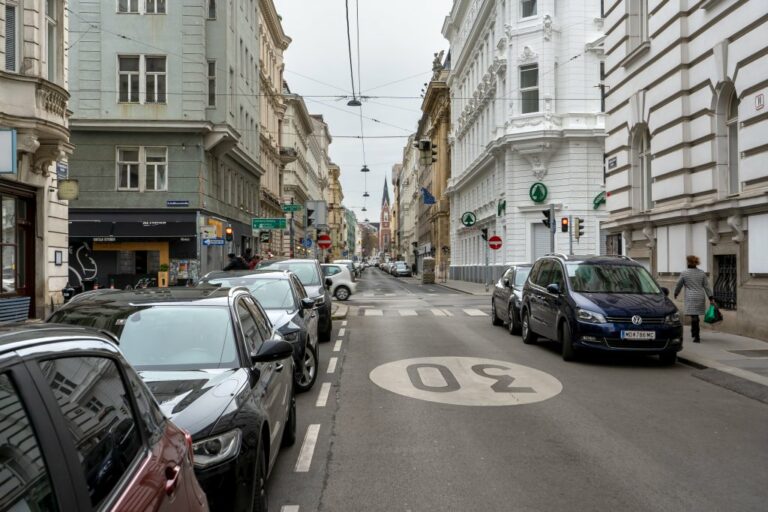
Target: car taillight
column 190, row 451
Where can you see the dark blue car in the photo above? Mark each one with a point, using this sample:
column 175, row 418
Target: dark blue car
column 606, row 303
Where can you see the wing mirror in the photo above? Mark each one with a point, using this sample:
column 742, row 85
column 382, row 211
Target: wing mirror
column 553, row 288
column 665, row 290
column 272, row 350
column 505, row 282
column 328, row 282
column 307, row 303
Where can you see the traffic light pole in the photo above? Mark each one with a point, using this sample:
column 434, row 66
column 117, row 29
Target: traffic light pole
column 552, row 228
column 293, row 238
column 570, row 235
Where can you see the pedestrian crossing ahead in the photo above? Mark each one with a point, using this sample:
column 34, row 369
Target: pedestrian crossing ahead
column 429, row 312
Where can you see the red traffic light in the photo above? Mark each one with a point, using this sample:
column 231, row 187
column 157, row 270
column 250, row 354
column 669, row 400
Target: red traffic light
column 564, row 225
column 229, row 233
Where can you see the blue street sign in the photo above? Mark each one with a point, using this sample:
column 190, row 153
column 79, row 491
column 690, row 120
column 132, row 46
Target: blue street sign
column 176, row 203
column 307, row 242
column 345, row 253
column 213, row 241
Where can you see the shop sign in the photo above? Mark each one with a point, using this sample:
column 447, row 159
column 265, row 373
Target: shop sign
column 68, row 189
column 105, row 239
column 538, row 192
column 177, row 203
column 8, row 151
column 184, row 239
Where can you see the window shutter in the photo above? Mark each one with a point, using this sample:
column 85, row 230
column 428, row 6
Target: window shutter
column 10, row 38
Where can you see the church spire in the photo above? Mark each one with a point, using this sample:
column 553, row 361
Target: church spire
column 385, row 197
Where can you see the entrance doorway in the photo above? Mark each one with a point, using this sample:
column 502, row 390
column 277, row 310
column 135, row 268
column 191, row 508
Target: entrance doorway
column 17, row 247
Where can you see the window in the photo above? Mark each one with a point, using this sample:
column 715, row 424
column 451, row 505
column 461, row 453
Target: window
column 155, row 79
column 211, row 9
column 108, row 442
column 642, row 197
column 253, row 339
column 211, row 83
column 529, row 88
column 26, row 482
column 128, row 6
column 52, row 41
column 637, row 23
column 732, row 124
column 155, row 6
column 12, row 35
column 142, row 168
column 528, row 8
column 128, row 78
column 231, row 86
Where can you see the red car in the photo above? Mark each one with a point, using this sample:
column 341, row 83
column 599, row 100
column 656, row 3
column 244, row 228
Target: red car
column 83, row 431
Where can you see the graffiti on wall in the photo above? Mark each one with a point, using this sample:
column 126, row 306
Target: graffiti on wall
column 82, row 265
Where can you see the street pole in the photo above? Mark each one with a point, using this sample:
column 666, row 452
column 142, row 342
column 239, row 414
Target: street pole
column 570, row 235
column 487, row 277
column 293, row 241
column 552, row 228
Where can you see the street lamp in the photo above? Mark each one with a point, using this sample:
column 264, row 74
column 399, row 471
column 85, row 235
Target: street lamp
column 365, row 169
column 366, row 195
column 354, row 102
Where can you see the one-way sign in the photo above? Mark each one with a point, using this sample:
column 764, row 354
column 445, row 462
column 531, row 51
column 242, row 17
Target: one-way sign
column 213, row 241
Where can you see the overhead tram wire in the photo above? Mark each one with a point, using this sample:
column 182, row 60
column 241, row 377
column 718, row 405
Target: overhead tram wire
column 365, row 169
column 354, row 102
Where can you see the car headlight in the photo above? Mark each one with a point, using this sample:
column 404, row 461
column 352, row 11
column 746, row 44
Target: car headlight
column 674, row 318
column 590, row 317
column 217, row 449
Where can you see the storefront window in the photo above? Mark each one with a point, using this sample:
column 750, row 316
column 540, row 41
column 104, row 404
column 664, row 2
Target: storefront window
column 8, row 251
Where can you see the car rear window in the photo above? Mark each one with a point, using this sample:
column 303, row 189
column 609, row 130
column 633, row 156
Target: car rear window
column 271, row 293
column 306, row 272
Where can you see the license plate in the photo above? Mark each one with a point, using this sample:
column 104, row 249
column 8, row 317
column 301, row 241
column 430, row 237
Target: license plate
column 638, row 335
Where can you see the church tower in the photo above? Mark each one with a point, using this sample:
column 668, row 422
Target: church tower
column 385, row 233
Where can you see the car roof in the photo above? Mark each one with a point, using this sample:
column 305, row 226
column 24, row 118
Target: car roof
column 19, row 336
column 595, row 259
column 256, row 273
column 294, row 260
column 199, row 296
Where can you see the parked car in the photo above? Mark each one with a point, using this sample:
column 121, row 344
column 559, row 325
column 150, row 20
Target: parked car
column 79, row 430
column 342, row 284
column 350, row 265
column 507, row 297
column 290, row 311
column 310, row 275
column 401, row 269
column 207, row 356
column 600, row 303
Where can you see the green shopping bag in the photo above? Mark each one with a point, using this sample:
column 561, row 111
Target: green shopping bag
column 713, row 315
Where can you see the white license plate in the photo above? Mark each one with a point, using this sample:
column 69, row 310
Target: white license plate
column 638, row 335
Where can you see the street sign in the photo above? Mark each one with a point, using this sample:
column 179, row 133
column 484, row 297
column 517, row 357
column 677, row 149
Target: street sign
column 494, row 242
column 292, row 207
column 177, row 203
column 323, row 241
column 538, row 192
column 265, row 237
column 213, row 241
column 468, row 219
column 307, row 242
column 468, row 381
column 265, row 223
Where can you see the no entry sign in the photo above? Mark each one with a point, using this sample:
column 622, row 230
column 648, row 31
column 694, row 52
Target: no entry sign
column 494, row 242
column 323, row 241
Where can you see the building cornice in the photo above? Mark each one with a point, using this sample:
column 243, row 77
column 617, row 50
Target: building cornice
column 274, row 24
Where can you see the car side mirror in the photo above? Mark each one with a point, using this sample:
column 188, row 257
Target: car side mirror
column 328, row 282
column 665, row 290
column 553, row 288
column 307, row 303
column 272, row 350
column 505, row 282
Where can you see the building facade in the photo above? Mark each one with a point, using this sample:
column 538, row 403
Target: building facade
column 409, row 203
column 169, row 155
column 34, row 150
column 527, row 128
column 335, row 214
column 686, row 153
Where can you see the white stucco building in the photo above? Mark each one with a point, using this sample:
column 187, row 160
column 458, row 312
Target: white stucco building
column 687, row 145
column 525, row 108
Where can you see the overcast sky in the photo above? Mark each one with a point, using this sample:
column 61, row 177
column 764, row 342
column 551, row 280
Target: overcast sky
column 398, row 39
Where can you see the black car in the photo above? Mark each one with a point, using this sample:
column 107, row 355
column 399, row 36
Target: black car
column 507, row 297
column 605, row 303
column 79, row 430
column 207, row 356
column 291, row 312
column 311, row 276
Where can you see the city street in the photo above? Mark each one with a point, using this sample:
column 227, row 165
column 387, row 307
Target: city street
column 513, row 428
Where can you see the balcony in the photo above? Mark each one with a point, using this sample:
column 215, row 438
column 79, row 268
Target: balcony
column 28, row 97
column 288, row 155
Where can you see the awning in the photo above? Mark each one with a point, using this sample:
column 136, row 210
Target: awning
column 88, row 229
column 156, row 229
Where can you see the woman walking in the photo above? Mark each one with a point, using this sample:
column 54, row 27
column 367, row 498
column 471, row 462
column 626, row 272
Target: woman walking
column 697, row 289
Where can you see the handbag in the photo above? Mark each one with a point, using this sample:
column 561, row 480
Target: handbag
column 713, row 315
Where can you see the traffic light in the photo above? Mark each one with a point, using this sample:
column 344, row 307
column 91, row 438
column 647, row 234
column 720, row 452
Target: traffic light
column 546, row 220
column 229, row 233
column 578, row 228
column 427, row 150
column 484, row 234
column 564, row 224
column 310, row 217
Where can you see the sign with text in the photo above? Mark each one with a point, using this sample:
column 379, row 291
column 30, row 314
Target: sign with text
column 292, row 207
column 177, row 203
column 213, row 242
column 267, row 223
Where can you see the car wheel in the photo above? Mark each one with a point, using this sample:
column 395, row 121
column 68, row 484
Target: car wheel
column 495, row 320
column 569, row 354
column 260, row 501
column 342, row 293
column 529, row 336
column 668, row 358
column 289, row 434
column 306, row 378
column 514, row 320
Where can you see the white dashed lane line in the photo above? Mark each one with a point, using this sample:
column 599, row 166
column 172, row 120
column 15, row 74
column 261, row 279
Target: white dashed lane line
column 474, row 312
column 289, row 508
column 342, row 332
column 332, row 364
column 307, row 448
column 438, row 312
column 344, row 323
column 337, row 346
column 374, row 312
column 408, row 312
column 322, row 397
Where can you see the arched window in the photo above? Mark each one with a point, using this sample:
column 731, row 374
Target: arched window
column 727, row 140
column 641, row 177
column 732, row 127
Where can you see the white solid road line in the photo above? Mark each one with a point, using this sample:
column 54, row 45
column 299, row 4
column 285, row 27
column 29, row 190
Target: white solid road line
column 368, row 294
column 342, row 332
column 344, row 323
column 332, row 364
column 289, row 508
column 374, row 312
column 389, row 294
column 408, row 312
column 438, row 312
column 447, row 312
column 307, row 448
column 474, row 312
column 322, row 398
column 337, row 346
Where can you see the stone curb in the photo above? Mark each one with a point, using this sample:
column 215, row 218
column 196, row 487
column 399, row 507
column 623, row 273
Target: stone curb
column 701, row 363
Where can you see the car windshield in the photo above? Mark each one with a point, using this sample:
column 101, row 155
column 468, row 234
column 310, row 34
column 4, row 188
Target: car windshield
column 271, row 293
column 164, row 337
column 610, row 278
column 305, row 271
column 400, row 264
column 521, row 275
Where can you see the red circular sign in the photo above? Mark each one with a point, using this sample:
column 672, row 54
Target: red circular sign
column 323, row 241
column 494, row 242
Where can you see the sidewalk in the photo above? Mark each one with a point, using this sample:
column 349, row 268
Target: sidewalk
column 466, row 287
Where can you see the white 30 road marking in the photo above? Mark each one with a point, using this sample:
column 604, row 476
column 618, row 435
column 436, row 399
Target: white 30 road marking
column 307, row 448
column 322, row 397
column 474, row 312
column 337, row 346
column 342, row 332
column 468, row 381
column 374, row 312
column 332, row 364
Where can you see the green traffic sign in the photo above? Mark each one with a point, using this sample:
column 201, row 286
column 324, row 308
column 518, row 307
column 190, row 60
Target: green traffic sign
column 263, row 223
column 292, row 207
column 468, row 219
column 538, row 192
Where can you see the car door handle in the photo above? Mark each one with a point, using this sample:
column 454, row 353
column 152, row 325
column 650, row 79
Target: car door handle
column 279, row 367
column 172, row 479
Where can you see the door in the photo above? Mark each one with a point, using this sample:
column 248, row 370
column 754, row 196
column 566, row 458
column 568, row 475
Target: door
column 541, row 238
column 552, row 301
column 501, row 293
column 538, row 298
column 310, row 315
column 17, row 248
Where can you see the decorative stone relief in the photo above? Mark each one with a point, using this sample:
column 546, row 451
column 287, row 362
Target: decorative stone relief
column 547, row 27
column 735, row 222
column 509, row 30
column 712, row 226
column 501, row 45
column 528, row 55
column 45, row 156
column 649, row 235
column 538, row 155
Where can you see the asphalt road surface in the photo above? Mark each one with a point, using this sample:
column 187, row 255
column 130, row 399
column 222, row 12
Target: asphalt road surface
column 422, row 405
